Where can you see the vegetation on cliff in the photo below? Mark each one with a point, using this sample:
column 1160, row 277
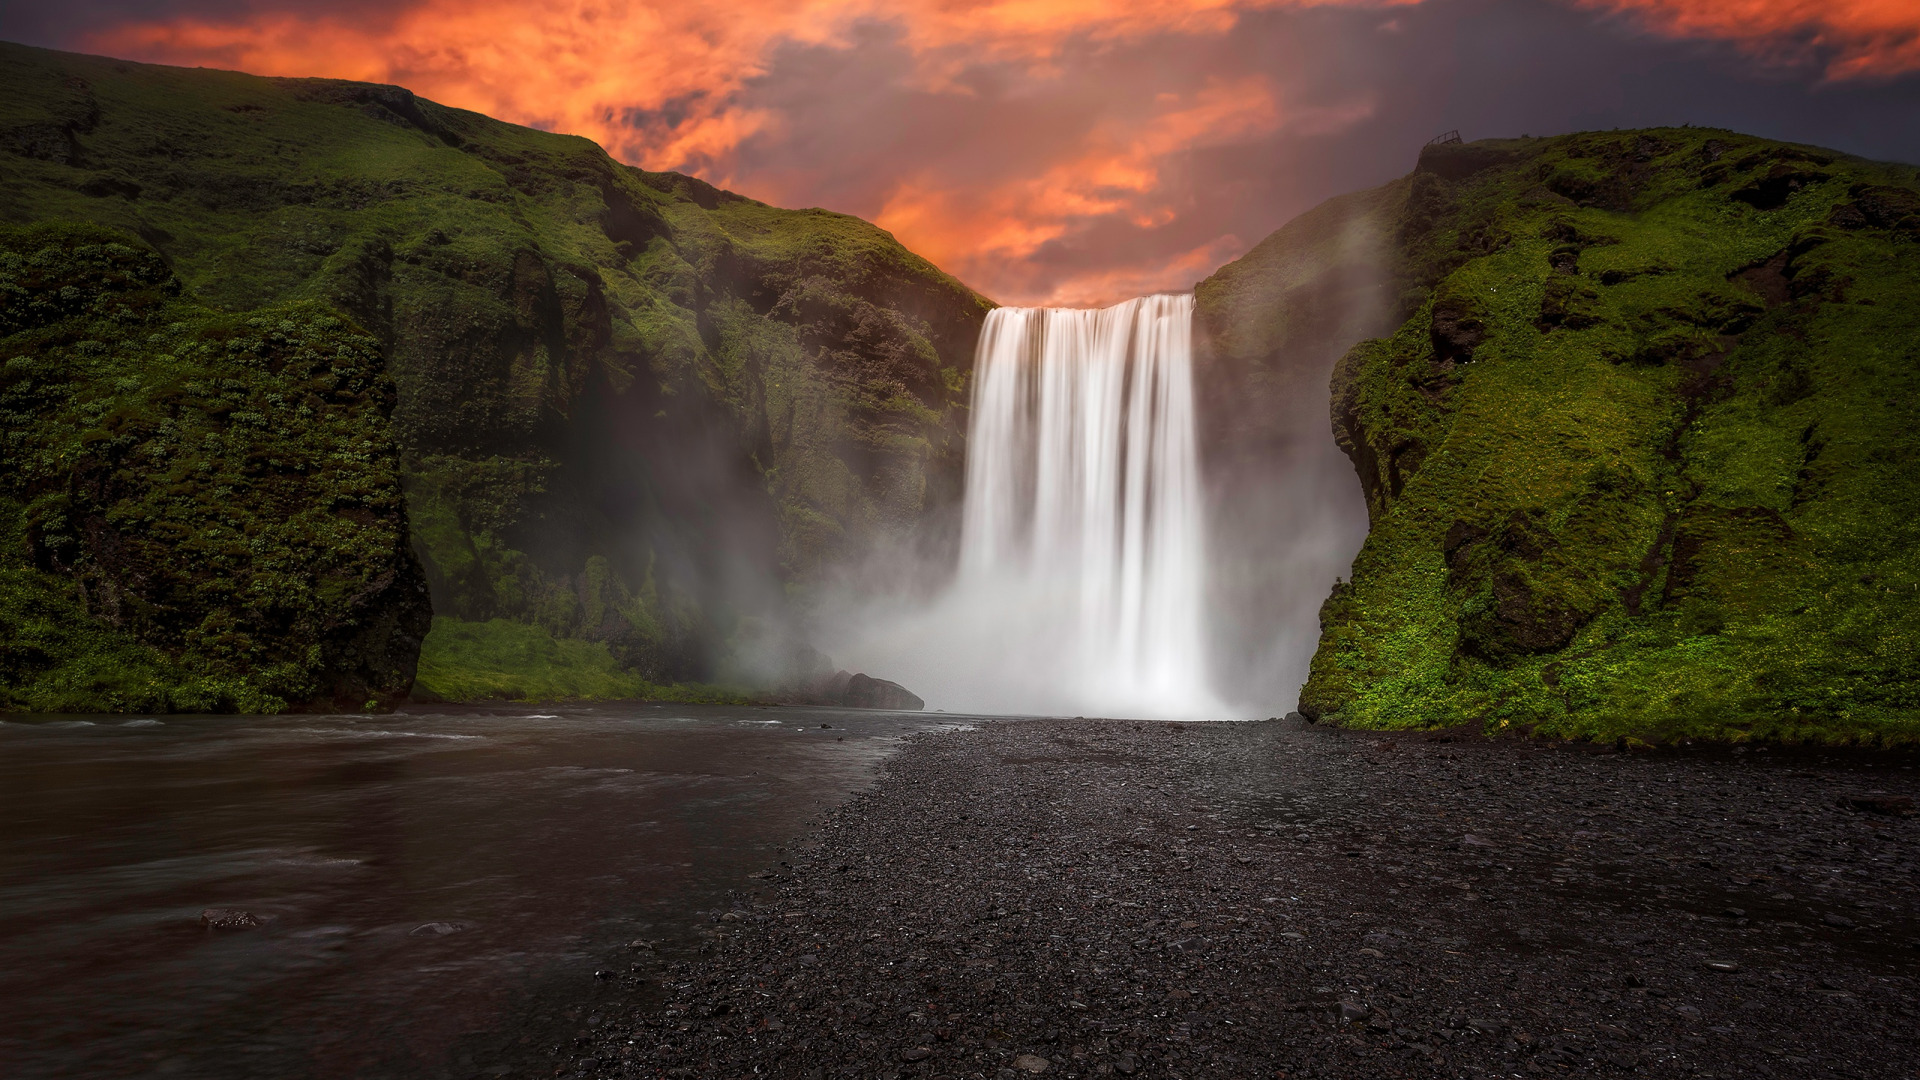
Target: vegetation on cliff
column 632, row 409
column 1638, row 456
column 201, row 510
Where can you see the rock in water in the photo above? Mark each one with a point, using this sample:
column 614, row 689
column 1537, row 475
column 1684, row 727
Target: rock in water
column 218, row 918
column 867, row 692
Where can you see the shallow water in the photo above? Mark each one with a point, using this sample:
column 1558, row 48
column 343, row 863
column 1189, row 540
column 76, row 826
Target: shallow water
column 544, row 839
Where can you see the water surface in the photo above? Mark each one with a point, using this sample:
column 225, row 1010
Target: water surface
column 436, row 889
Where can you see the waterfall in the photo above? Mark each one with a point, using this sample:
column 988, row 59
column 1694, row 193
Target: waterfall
column 1082, row 569
column 1083, row 503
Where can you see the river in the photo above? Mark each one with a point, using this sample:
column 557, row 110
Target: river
column 436, row 890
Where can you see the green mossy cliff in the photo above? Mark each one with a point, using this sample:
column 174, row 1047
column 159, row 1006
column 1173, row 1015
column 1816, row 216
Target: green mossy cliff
column 632, row 409
column 201, row 510
column 1637, row 443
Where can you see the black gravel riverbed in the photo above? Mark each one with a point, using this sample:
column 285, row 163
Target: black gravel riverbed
column 1098, row 898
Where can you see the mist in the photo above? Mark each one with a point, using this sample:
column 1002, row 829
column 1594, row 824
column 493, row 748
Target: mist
column 1081, row 557
column 979, row 624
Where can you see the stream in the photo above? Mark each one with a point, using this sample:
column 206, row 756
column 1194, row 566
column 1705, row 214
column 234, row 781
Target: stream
column 435, row 890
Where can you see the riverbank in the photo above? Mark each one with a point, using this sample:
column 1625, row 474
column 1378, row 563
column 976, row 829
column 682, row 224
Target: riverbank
column 1277, row 900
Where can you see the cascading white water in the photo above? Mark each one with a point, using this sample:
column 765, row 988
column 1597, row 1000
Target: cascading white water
column 1082, row 556
column 1083, row 491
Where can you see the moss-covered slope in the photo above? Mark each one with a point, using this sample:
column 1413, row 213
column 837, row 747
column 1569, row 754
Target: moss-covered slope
column 1639, row 462
column 200, row 511
column 631, row 406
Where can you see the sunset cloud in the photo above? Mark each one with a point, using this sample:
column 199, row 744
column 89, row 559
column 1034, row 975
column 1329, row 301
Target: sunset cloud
column 590, row 67
column 1853, row 38
column 664, row 86
column 1069, row 151
column 1119, row 171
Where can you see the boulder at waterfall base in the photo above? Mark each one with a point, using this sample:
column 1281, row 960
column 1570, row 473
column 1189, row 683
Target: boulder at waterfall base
column 866, row 692
column 856, row 691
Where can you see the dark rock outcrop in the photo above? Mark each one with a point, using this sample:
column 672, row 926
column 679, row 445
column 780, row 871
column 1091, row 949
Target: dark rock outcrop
column 855, row 691
column 229, row 919
column 866, row 692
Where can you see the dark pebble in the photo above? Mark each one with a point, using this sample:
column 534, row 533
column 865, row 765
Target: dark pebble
column 229, row 919
column 1120, row 899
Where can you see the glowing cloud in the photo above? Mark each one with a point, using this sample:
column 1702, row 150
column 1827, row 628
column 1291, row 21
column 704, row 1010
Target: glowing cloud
column 1096, row 192
column 592, row 67
column 1855, row 37
column 660, row 85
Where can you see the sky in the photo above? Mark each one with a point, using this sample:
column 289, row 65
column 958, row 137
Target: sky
column 1064, row 151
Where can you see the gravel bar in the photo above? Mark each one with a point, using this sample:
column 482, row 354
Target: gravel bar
column 1098, row 898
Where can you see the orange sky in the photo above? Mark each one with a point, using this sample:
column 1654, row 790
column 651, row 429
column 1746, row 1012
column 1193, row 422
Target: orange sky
column 1090, row 141
column 1860, row 37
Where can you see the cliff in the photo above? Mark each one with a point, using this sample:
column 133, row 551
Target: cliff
column 632, row 410
column 1636, row 442
column 202, row 510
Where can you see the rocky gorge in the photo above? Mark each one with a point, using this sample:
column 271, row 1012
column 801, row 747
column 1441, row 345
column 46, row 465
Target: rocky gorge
column 1629, row 412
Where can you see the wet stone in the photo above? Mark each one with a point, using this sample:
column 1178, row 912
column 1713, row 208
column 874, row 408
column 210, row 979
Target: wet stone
column 229, row 919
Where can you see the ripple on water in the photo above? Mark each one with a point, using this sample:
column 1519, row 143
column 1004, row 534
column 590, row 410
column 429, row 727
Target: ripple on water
column 362, row 733
column 308, row 860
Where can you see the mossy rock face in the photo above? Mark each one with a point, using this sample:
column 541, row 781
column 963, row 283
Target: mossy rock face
column 1638, row 447
column 202, row 510
column 621, row 394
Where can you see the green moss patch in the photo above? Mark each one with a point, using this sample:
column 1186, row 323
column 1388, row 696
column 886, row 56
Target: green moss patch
column 201, row 511
column 503, row 660
column 1639, row 459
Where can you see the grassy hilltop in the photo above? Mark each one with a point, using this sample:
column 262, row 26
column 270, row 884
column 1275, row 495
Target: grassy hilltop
column 622, row 399
column 1637, row 435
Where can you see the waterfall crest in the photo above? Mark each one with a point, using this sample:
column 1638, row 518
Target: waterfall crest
column 1083, row 507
